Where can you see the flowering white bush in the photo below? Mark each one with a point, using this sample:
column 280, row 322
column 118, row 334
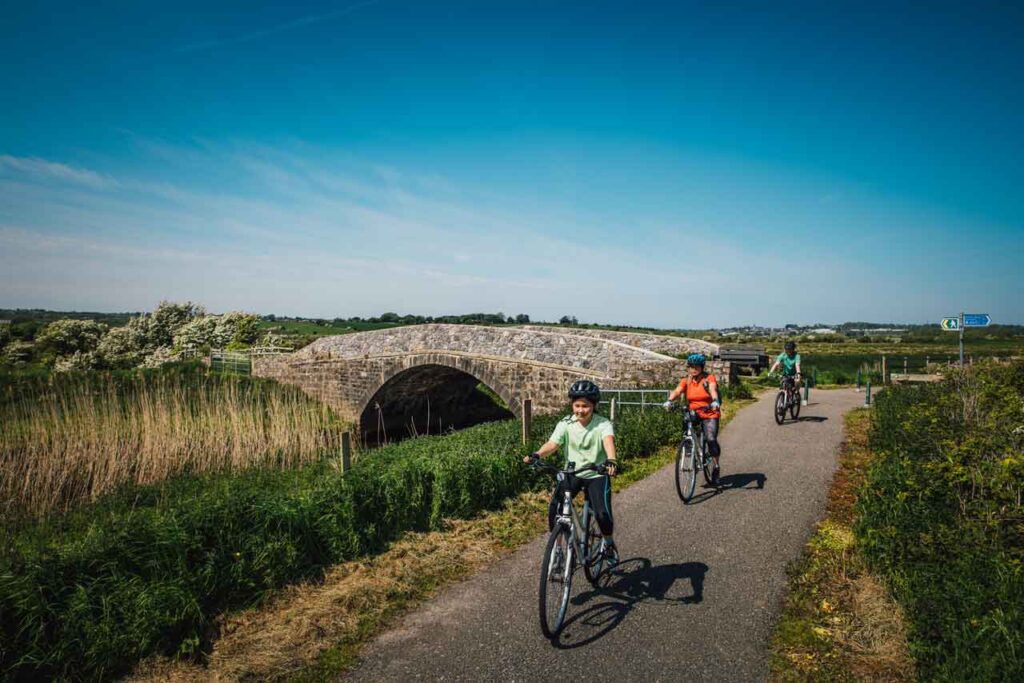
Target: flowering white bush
column 123, row 347
column 164, row 354
column 164, row 322
column 67, row 337
column 16, row 352
column 198, row 334
column 76, row 362
column 237, row 328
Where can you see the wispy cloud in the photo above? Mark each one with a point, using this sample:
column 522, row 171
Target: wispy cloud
column 315, row 232
column 280, row 28
column 52, row 170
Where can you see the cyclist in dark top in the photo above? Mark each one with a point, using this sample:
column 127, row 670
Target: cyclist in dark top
column 700, row 390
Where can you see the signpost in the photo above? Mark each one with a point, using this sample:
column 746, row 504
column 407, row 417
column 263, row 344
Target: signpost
column 965, row 320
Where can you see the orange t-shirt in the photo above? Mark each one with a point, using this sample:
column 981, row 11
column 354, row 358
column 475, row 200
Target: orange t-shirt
column 697, row 392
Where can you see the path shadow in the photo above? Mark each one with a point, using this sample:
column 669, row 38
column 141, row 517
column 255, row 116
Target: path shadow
column 804, row 418
column 746, row 480
column 728, row 482
column 634, row 582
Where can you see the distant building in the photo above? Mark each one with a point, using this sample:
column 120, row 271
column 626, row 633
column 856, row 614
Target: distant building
column 823, row 330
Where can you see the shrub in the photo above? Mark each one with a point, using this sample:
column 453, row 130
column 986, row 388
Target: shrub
column 68, row 337
column 941, row 517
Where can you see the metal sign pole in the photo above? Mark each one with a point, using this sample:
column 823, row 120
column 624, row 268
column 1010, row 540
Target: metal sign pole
column 961, row 339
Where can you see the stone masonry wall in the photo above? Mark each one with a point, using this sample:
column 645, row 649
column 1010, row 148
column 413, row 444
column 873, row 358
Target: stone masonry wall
column 347, row 371
column 543, row 346
column 658, row 343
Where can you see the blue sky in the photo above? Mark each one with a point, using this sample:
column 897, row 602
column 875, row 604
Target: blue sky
column 671, row 164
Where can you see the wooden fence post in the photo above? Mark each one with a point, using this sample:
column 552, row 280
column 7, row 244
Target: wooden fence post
column 611, row 411
column 885, row 378
column 346, row 451
column 527, row 420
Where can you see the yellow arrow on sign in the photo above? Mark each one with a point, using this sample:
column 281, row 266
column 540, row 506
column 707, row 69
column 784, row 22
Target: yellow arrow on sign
column 951, row 324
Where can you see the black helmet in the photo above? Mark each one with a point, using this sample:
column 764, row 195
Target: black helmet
column 584, row 388
column 790, row 346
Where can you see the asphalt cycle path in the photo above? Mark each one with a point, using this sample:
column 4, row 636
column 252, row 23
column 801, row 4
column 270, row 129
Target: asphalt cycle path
column 697, row 593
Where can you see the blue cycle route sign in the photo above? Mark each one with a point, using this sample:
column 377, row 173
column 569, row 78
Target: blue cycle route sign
column 977, row 320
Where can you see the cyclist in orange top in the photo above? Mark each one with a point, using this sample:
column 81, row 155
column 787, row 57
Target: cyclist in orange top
column 701, row 392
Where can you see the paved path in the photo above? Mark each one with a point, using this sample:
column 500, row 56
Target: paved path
column 697, row 600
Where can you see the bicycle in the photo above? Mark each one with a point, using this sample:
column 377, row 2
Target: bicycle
column 692, row 455
column 788, row 398
column 566, row 549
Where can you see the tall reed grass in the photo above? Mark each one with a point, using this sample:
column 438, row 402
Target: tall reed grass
column 72, row 439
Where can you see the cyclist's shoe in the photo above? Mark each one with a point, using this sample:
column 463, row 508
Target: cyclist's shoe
column 714, row 476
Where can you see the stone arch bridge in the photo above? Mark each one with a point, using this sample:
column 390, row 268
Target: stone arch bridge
column 410, row 373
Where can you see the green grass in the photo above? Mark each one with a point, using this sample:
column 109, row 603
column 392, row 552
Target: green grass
column 941, row 519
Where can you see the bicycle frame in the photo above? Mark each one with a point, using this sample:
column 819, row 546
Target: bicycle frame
column 568, row 516
column 697, row 435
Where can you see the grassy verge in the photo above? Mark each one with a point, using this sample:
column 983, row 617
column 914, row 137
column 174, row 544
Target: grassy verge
column 839, row 622
column 314, row 632
column 941, row 519
column 69, row 439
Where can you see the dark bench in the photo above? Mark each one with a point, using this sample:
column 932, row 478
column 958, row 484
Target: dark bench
column 748, row 357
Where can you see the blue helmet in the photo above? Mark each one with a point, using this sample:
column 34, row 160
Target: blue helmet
column 696, row 360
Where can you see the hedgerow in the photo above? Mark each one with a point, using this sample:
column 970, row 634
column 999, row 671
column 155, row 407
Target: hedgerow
column 146, row 570
column 941, row 517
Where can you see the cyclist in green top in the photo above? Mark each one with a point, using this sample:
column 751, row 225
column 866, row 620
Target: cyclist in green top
column 587, row 439
column 790, row 362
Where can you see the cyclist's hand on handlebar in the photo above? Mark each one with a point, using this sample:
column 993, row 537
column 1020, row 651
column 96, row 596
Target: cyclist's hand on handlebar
column 667, row 405
column 715, row 405
column 611, row 467
column 531, row 458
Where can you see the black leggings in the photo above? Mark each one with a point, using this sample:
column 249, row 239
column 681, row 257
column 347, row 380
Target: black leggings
column 598, row 492
column 711, row 436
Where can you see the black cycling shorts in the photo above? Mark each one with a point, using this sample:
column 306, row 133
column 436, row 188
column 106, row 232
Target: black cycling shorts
column 598, row 491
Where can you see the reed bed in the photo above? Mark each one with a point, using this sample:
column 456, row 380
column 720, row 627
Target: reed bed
column 71, row 440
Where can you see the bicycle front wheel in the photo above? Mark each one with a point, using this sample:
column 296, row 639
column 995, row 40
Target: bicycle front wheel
column 794, row 406
column 555, row 581
column 593, row 564
column 780, row 407
column 686, row 469
column 707, row 464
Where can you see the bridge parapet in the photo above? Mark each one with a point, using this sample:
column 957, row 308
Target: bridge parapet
column 658, row 343
column 358, row 371
column 556, row 347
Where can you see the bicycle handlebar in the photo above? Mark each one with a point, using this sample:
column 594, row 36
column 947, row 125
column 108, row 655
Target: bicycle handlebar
column 540, row 464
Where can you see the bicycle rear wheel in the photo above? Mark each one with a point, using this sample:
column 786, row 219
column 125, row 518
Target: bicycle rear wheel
column 593, row 564
column 780, row 407
column 794, row 406
column 555, row 581
column 686, row 469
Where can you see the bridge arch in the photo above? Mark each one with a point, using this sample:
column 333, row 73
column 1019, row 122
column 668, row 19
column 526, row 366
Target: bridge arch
column 429, row 394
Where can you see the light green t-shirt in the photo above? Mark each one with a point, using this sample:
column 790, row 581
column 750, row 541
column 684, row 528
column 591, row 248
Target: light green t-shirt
column 583, row 445
column 789, row 364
